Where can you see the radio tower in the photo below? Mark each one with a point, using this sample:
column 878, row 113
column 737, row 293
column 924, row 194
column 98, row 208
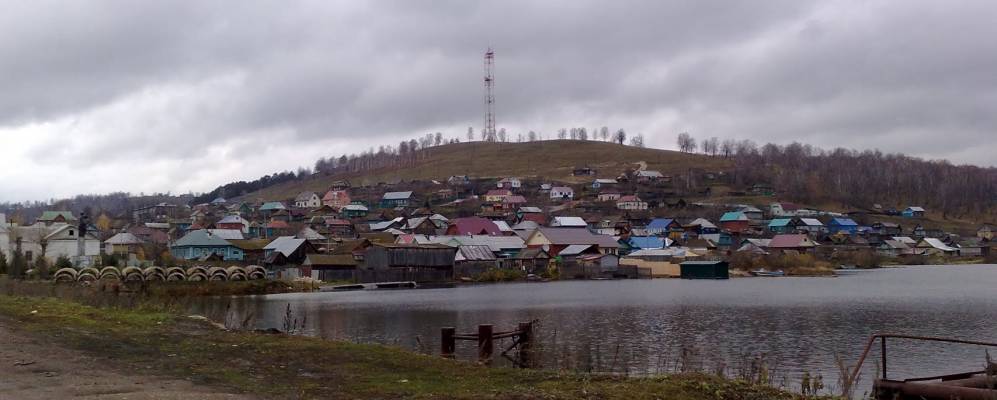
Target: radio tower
column 489, row 131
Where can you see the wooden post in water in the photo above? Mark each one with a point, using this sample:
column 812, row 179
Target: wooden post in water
column 485, row 343
column 447, row 341
column 525, row 344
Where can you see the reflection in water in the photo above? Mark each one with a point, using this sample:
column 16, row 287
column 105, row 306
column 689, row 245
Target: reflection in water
column 649, row 326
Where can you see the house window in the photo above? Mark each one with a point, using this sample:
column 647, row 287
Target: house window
column 70, row 232
column 28, row 255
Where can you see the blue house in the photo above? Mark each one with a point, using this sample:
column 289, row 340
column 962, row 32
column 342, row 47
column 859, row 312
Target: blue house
column 269, row 208
column 646, row 242
column 201, row 243
column 913, row 212
column 846, row 225
column 782, row 225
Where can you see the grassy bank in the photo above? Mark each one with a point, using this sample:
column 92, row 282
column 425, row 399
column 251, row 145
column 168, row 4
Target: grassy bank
column 281, row 366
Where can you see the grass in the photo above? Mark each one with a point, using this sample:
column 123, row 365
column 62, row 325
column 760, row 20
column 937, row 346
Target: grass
column 282, row 366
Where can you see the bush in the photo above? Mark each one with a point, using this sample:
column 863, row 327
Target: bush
column 63, row 262
column 3, row 263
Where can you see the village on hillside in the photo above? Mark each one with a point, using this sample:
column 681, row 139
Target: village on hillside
column 471, row 229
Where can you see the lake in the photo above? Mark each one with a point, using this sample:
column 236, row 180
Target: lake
column 796, row 325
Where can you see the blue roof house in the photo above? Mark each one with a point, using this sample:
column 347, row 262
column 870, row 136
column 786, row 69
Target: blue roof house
column 201, row 243
column 660, row 226
column 846, row 225
column 781, row 225
column 646, row 242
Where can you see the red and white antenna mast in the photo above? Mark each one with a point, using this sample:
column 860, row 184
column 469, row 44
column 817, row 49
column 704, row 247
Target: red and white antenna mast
column 489, row 131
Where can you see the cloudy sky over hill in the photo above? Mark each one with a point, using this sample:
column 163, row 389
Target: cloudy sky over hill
column 177, row 96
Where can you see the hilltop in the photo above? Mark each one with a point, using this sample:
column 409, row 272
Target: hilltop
column 552, row 160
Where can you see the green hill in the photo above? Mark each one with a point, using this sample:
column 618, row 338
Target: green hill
column 551, row 159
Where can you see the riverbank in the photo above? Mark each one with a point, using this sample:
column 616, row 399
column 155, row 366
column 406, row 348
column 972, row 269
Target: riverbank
column 152, row 344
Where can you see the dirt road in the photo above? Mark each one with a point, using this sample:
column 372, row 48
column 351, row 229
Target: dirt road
column 33, row 370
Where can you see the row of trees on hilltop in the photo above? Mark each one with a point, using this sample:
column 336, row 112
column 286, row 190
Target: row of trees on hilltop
column 856, row 178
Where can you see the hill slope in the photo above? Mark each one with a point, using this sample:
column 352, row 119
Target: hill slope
column 551, row 159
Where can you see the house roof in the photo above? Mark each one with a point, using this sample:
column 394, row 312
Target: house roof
column 895, row 244
column 666, row 252
column 660, row 223
column 285, row 245
column 530, row 209
column 525, row 226
column 777, row 222
column 605, row 181
column 503, row 226
column 569, row 236
column 249, row 244
column 52, row 215
column 272, row 205
column 305, row 196
column 232, row 219
column 531, row 253
column 574, row 249
column 335, row 194
column 568, row 221
column 649, row 174
column 790, row 241
column 474, row 253
column 842, row 222
column 397, row 195
column 811, row 222
column 201, row 237
column 514, row 199
column 915, row 209
column 498, row 192
column 308, row 233
column 628, row 198
column 277, row 224
column 733, row 216
column 905, row 240
column 474, row 226
column 702, row 223
column 355, row 207
column 935, row 243
column 562, row 189
column 227, row 234
column 495, row 243
column 124, row 238
column 646, row 242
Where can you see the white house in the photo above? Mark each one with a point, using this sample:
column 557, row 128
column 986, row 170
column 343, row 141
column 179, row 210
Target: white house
column 510, row 183
column 562, row 193
column 568, row 222
column 631, row 202
column 4, row 237
column 59, row 240
column 308, row 200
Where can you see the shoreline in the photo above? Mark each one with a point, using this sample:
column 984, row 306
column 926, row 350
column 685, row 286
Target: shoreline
column 170, row 346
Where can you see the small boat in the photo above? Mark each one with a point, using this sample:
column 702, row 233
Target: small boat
column 766, row 273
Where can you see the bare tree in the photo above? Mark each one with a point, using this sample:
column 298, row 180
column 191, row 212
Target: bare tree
column 438, row 140
column 686, row 143
column 727, row 147
column 562, row 133
column 583, row 134
column 637, row 140
column 620, row 136
column 711, row 146
column 501, row 135
column 470, row 134
column 532, row 136
column 604, row 133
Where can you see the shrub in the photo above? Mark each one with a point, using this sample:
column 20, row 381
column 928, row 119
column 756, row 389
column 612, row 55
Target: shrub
column 3, row 263
column 500, row 275
column 63, row 262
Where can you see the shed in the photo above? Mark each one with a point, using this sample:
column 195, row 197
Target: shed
column 704, row 270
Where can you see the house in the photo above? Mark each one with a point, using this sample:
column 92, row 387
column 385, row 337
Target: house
column 500, row 246
column 123, row 243
column 219, row 201
column 307, row 200
column 934, row 246
column 150, row 235
column 703, row 228
column 754, row 245
column 157, row 212
column 53, row 241
column 568, row 222
column 202, row 243
column 609, row 195
column 753, row 213
column 887, row 228
column 812, row 226
column 893, row 248
column 354, row 210
column 795, row 242
column 647, row 242
column 57, row 217
column 276, row 227
column 647, row 176
column 233, row 221
column 340, row 185
column 331, row 267
column 631, row 202
column 418, row 262
column 846, row 225
column 782, row 225
column 561, row 193
column 664, row 226
column 913, row 212
column 972, row 248
column 553, row 240
column 986, row 232
column 337, row 199
column 595, row 265
column 583, row 171
column 531, row 261
column 287, row 250
column 497, row 195
column 458, row 180
column 472, row 226
column 509, row 183
column 396, row 199
column 788, row 210
column 271, row 207
column 734, row 222
column 513, row 202
column 600, row 183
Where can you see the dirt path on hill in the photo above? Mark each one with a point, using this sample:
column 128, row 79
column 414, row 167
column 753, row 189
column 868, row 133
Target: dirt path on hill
column 32, row 369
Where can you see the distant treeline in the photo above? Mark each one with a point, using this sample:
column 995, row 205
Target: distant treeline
column 117, row 204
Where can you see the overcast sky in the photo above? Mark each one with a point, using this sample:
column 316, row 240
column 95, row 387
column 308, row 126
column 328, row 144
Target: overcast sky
column 147, row 96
